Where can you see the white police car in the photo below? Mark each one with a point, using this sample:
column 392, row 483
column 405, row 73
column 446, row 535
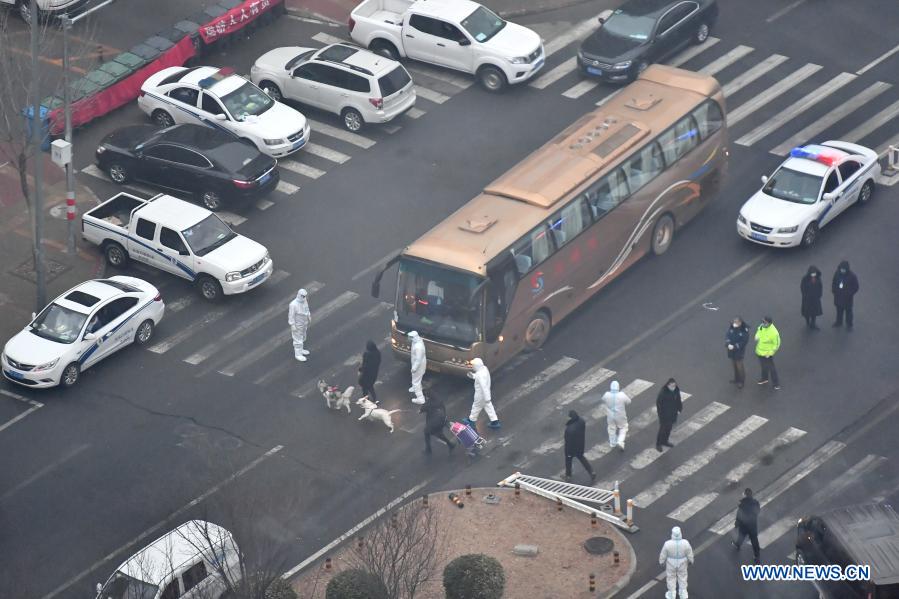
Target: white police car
column 815, row 184
column 81, row 327
column 219, row 98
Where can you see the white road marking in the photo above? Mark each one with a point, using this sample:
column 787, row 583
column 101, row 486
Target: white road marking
column 752, row 74
column 430, row 95
column 778, row 89
column 231, row 218
column 187, row 332
column 700, row 460
column 778, row 14
column 301, row 169
column 681, row 433
column 632, row 390
column 391, row 129
column 180, row 303
column 94, row 171
column 299, row 567
column 43, row 471
column 168, row 521
column 554, row 74
column 326, row 153
column 34, row 405
column 694, row 51
column 264, row 204
column 278, row 276
column 578, row 90
column 376, row 265
column 784, row 482
column 450, row 77
column 833, row 489
column 541, row 378
column 328, row 373
column 575, row 390
column 576, row 33
column 831, row 117
column 722, row 62
column 287, row 188
column 415, row 113
column 330, row 39
column 241, row 328
column 609, row 97
column 879, row 120
column 548, row 447
column 795, row 109
column 694, row 505
column 284, row 336
column 351, row 138
column 876, row 61
column 635, row 425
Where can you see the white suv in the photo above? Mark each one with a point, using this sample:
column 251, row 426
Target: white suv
column 361, row 86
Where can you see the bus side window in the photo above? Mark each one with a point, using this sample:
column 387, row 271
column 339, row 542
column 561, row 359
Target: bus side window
column 569, row 221
column 686, row 136
column 607, row 193
column 709, row 118
column 644, row 166
column 531, row 250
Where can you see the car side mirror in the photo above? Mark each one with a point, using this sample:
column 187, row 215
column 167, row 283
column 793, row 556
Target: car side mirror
column 465, row 42
column 90, row 336
column 604, row 16
column 764, row 179
column 220, row 117
column 829, row 196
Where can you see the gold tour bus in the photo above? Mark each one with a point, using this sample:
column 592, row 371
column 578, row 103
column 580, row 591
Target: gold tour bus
column 494, row 277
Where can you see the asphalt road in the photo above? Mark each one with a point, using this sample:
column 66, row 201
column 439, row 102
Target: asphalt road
column 125, row 456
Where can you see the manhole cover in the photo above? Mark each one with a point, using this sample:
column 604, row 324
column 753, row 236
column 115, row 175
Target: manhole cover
column 598, row 545
column 25, row 270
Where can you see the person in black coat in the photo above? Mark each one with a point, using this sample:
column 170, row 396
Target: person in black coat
column 736, row 339
column 844, row 287
column 812, row 289
column 747, row 523
column 668, row 406
column 435, row 422
column 575, row 435
column 368, row 372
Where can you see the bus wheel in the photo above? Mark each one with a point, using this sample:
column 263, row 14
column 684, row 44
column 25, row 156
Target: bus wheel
column 662, row 234
column 537, row 332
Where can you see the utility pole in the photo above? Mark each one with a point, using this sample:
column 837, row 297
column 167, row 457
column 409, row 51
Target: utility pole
column 37, row 214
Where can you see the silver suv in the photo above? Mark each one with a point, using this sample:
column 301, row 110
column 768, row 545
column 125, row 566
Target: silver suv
column 361, row 86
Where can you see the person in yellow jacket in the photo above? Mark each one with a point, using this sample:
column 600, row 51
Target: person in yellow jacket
column 767, row 342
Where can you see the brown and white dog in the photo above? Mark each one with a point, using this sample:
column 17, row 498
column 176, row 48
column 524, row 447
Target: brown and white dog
column 334, row 397
column 371, row 411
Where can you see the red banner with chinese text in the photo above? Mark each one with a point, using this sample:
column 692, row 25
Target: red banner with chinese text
column 235, row 19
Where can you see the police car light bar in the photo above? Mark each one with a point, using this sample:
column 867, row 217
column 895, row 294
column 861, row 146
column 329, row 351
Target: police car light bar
column 816, row 153
column 219, row 75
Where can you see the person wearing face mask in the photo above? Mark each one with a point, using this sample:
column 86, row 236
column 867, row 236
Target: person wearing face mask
column 616, row 402
column 736, row 339
column 811, row 289
column 668, row 406
column 844, row 288
column 767, row 342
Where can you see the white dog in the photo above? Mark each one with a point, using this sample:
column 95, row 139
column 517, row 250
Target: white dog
column 333, row 396
column 371, row 411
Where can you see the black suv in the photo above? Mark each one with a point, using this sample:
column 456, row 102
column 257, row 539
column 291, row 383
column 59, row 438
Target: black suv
column 642, row 32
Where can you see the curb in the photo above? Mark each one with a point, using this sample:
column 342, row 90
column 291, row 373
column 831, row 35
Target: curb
column 314, row 16
column 616, row 588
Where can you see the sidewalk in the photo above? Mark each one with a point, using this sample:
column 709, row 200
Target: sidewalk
column 17, row 286
column 338, row 11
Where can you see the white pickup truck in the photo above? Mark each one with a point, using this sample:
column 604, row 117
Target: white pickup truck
column 180, row 238
column 458, row 34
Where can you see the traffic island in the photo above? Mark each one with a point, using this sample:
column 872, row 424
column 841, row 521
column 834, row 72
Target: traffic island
column 544, row 551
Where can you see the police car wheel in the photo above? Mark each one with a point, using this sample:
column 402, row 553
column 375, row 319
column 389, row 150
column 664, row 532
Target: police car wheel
column 209, row 288
column 144, row 332
column 115, row 254
column 70, row 375
column 163, row 119
column 867, row 191
column 810, row 234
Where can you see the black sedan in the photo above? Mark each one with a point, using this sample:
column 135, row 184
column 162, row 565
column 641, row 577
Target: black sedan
column 642, row 32
column 210, row 165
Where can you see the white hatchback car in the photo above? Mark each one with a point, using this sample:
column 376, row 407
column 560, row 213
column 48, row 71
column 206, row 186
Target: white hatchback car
column 814, row 185
column 219, row 98
column 81, row 327
column 361, row 86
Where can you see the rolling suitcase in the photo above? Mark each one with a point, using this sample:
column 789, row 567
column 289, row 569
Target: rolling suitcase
column 467, row 436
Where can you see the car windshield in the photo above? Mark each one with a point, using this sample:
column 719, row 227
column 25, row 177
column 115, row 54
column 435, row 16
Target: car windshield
column 58, row 323
column 634, row 27
column 298, row 59
column 122, row 586
column 247, row 100
column 207, row 235
column 482, row 24
column 793, row 186
column 437, row 302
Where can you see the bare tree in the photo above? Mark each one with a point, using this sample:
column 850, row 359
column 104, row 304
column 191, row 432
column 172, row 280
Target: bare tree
column 403, row 550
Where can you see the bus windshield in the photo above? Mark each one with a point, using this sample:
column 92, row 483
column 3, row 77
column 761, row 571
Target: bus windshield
column 438, row 303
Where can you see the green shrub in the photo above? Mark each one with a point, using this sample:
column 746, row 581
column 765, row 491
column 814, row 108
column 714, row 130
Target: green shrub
column 280, row 589
column 474, row 576
column 355, row 584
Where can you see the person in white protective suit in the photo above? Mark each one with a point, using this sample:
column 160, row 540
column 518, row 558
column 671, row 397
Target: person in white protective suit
column 299, row 317
column 482, row 398
column 676, row 555
column 419, row 366
column 616, row 402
